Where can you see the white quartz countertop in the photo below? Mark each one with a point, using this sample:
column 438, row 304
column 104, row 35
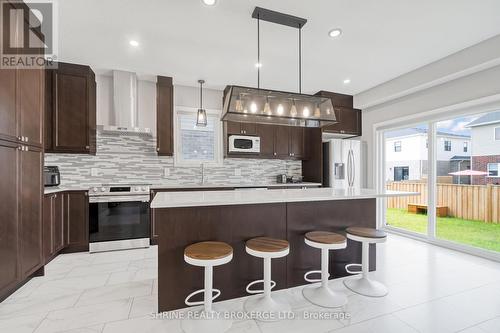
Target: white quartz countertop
column 241, row 185
column 263, row 196
column 57, row 189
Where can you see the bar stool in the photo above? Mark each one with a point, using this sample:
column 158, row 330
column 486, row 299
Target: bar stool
column 267, row 249
column 323, row 295
column 364, row 285
column 207, row 255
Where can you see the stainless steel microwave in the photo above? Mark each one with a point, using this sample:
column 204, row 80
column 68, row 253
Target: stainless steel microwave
column 244, row 144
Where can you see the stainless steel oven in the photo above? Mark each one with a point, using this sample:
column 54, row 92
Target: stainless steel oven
column 119, row 217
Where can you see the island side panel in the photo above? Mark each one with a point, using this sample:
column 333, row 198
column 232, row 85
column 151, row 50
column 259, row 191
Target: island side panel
column 334, row 216
column 180, row 227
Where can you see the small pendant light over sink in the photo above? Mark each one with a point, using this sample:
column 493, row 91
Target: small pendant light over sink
column 201, row 116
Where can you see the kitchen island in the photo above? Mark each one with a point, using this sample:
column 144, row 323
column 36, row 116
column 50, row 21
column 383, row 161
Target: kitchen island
column 184, row 218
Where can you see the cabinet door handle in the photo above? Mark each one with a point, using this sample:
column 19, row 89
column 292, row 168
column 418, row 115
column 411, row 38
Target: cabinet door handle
column 87, row 147
column 19, row 147
column 19, row 138
column 275, row 154
column 157, row 149
column 26, row 139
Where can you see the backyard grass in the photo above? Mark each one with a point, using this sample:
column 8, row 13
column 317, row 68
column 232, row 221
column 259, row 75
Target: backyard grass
column 475, row 233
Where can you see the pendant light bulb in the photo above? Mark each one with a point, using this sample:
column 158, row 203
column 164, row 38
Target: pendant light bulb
column 239, row 104
column 280, row 109
column 253, row 107
column 306, row 112
column 317, row 111
column 201, row 116
column 328, row 111
column 267, row 108
column 293, row 110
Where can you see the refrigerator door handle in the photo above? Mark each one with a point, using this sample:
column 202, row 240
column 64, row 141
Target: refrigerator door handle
column 350, row 168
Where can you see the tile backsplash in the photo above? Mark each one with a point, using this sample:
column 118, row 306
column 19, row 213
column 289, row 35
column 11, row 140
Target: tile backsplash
column 125, row 159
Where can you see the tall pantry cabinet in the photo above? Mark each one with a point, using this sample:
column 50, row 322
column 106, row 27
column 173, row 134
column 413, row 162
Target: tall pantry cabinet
column 21, row 185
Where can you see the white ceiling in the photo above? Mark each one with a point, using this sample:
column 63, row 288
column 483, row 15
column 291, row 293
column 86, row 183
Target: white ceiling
column 381, row 39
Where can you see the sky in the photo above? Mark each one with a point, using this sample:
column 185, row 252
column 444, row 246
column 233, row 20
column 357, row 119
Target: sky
column 456, row 125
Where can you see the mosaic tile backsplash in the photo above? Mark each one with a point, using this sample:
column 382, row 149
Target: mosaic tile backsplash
column 125, row 159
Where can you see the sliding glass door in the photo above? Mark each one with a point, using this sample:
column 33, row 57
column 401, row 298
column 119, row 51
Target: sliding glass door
column 454, row 166
column 406, row 169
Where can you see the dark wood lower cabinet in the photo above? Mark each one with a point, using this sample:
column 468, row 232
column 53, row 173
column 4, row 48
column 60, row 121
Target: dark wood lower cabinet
column 76, row 214
column 9, row 255
column 30, row 215
column 235, row 224
column 53, row 225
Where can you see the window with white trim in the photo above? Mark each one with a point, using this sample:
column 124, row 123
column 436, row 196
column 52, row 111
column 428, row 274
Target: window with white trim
column 493, row 169
column 447, row 145
column 196, row 145
column 497, row 133
column 397, row 146
column 466, row 146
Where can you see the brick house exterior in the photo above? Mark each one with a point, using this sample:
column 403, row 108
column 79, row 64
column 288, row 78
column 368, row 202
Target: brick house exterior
column 480, row 163
column 485, row 134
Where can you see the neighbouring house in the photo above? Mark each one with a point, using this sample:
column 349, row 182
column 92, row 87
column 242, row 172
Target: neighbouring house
column 485, row 133
column 406, row 154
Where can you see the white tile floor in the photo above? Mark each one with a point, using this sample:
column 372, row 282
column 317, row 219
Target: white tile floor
column 431, row 289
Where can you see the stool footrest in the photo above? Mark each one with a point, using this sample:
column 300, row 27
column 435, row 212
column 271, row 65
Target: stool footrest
column 189, row 303
column 273, row 284
column 306, row 276
column 349, row 266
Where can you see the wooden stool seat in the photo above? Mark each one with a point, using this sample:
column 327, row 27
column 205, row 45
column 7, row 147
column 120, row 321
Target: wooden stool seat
column 325, row 237
column 266, row 244
column 366, row 232
column 208, row 250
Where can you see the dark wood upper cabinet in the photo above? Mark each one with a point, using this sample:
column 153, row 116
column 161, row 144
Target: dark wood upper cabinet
column 70, row 108
column 282, row 141
column 241, row 128
column 297, row 142
column 30, row 225
column 21, row 106
column 266, row 134
column 233, row 127
column 164, row 116
column 31, row 105
column 349, row 120
column 77, row 221
column 8, row 116
column 9, row 255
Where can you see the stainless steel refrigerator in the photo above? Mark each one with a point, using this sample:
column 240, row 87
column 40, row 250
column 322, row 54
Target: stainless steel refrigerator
column 343, row 163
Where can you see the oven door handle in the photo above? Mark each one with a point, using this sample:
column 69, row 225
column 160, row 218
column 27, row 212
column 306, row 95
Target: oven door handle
column 121, row 198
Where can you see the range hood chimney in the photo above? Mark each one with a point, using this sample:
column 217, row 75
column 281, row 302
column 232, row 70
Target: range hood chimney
column 124, row 118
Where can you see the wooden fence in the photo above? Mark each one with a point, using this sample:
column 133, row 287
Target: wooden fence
column 471, row 202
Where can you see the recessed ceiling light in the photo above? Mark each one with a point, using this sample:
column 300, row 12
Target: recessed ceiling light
column 209, row 2
column 134, row 43
column 334, row 33
column 347, row 81
column 258, row 65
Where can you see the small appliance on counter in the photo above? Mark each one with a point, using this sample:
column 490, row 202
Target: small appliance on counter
column 51, row 176
column 284, row 179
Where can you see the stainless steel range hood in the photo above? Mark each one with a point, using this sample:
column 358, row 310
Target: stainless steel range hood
column 262, row 106
column 124, row 117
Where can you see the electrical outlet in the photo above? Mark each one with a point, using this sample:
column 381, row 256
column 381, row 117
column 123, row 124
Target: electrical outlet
column 166, row 172
column 94, row 172
column 237, row 172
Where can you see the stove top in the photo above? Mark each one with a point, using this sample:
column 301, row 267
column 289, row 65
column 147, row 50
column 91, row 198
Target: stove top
column 120, row 189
